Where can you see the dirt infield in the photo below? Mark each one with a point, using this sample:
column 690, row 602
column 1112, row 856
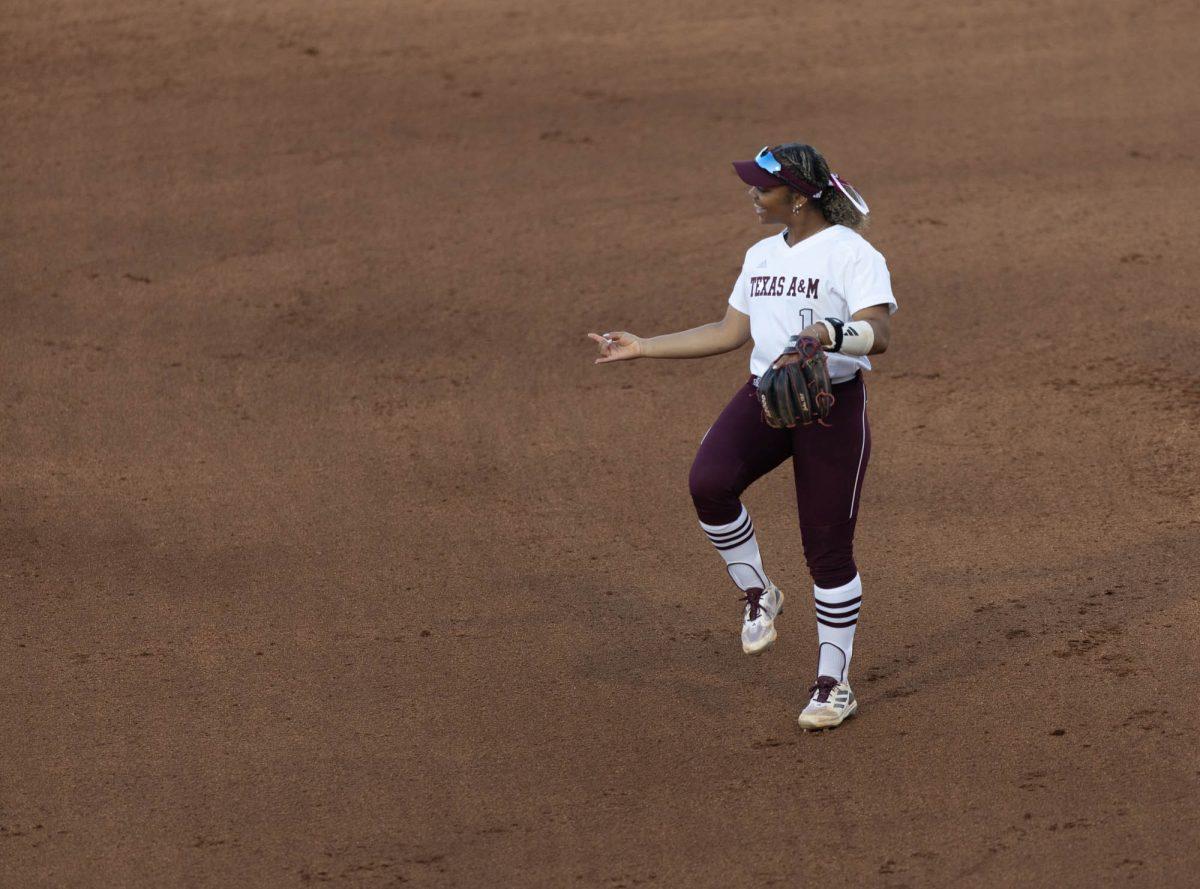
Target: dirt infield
column 327, row 556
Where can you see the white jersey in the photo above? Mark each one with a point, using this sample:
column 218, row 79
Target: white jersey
column 783, row 289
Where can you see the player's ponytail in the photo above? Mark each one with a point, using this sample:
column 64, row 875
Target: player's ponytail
column 834, row 203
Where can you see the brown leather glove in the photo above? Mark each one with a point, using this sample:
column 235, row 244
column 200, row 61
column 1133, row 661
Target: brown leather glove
column 798, row 392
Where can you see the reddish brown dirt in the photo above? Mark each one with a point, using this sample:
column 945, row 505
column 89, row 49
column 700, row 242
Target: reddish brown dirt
column 328, row 556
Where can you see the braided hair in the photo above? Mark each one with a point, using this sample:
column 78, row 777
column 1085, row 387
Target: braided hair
column 810, row 165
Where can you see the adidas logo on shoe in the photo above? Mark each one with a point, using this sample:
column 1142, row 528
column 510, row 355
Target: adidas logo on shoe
column 832, row 703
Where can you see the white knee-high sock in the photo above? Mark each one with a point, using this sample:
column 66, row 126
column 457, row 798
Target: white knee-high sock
column 739, row 548
column 837, row 616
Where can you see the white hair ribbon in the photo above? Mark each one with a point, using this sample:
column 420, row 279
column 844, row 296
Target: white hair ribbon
column 851, row 193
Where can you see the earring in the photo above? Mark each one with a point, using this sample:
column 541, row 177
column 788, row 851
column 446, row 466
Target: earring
column 796, row 209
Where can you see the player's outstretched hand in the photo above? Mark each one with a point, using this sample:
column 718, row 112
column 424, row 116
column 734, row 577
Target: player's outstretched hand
column 618, row 346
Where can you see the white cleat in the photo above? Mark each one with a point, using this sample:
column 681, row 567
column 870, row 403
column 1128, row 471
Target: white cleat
column 758, row 619
column 832, row 704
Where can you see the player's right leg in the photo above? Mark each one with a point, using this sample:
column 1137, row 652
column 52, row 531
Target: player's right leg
column 829, row 468
column 738, row 449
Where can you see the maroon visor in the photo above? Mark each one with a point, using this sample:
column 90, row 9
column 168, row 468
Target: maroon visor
column 765, row 171
column 753, row 174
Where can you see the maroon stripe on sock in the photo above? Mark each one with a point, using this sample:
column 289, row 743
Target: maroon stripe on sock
column 722, row 536
column 830, row 623
column 735, row 543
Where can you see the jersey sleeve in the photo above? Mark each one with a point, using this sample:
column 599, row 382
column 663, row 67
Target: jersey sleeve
column 739, row 298
column 868, row 282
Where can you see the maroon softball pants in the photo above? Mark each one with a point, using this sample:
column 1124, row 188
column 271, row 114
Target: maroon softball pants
column 828, row 463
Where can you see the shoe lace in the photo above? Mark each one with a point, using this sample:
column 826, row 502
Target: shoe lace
column 824, row 686
column 751, row 598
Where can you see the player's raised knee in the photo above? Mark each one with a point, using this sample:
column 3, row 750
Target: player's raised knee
column 710, row 484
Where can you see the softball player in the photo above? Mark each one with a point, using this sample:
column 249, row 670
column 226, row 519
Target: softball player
column 820, row 278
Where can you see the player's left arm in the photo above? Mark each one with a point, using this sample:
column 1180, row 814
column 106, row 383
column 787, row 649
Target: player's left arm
column 880, row 319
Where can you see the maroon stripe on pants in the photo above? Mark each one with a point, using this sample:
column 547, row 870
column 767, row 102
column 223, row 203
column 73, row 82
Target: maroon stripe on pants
column 828, row 466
